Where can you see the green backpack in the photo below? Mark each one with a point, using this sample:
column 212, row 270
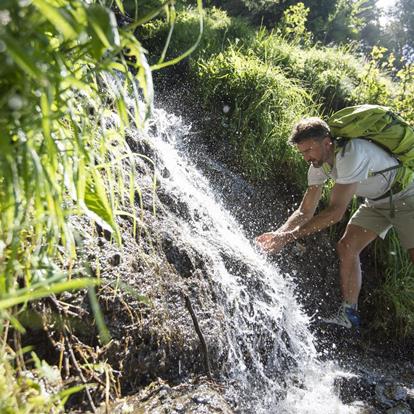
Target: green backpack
column 383, row 127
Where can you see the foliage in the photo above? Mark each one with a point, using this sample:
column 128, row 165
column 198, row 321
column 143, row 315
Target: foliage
column 405, row 97
column 374, row 88
column 400, row 29
column 330, row 74
column 394, row 300
column 261, row 107
column 36, row 391
column 219, row 30
column 57, row 152
column 293, row 24
column 62, row 148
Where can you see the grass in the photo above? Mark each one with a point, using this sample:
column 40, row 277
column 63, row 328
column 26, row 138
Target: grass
column 262, row 107
column 394, row 300
column 219, row 31
column 66, row 80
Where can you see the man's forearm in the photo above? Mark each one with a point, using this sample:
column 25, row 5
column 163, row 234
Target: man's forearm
column 324, row 219
column 297, row 219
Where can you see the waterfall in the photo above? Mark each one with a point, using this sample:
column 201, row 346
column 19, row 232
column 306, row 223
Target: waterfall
column 268, row 360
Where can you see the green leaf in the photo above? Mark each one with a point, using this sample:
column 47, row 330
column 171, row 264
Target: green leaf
column 120, row 6
column 102, row 29
column 22, row 58
column 97, row 203
column 42, row 292
column 57, row 18
column 103, row 330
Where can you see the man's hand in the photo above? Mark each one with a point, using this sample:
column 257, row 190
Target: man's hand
column 274, row 241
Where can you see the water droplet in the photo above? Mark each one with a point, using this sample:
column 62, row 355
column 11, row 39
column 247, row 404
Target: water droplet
column 15, row 102
column 5, row 17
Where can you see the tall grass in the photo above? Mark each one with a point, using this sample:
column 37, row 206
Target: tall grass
column 57, row 153
column 394, row 299
column 66, row 77
column 262, row 106
column 219, row 31
column 330, row 74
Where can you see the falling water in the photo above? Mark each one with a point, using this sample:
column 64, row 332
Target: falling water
column 269, row 362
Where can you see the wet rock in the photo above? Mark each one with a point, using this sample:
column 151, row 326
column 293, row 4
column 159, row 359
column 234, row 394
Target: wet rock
column 354, row 388
column 400, row 408
column 183, row 259
column 410, row 399
column 388, row 393
column 106, row 234
column 175, row 205
column 160, row 398
column 141, row 147
column 115, row 260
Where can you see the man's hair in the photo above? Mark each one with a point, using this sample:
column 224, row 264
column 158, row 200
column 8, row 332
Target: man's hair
column 309, row 128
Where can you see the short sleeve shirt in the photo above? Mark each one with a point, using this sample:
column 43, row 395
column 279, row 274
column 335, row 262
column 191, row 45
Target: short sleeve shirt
column 356, row 163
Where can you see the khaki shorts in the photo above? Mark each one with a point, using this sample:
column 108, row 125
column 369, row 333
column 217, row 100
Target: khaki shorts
column 377, row 219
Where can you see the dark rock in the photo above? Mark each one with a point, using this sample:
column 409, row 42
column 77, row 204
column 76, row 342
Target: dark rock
column 106, row 234
column 175, row 205
column 178, row 257
column 354, row 388
column 400, row 408
column 115, row 259
column 161, row 398
column 388, row 393
column 410, row 400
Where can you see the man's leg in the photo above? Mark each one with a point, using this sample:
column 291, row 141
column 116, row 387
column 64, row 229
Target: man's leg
column 354, row 240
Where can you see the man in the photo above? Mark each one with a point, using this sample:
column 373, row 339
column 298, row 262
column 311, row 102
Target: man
column 351, row 167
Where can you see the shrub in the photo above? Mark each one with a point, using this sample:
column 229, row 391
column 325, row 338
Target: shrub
column 394, row 299
column 323, row 71
column 263, row 105
column 219, row 30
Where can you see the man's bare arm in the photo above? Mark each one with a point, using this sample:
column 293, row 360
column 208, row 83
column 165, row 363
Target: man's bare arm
column 303, row 214
column 341, row 195
column 306, row 209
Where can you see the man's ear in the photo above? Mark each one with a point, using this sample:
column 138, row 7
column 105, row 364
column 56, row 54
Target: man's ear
column 328, row 140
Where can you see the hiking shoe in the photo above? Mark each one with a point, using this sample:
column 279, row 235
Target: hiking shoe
column 347, row 317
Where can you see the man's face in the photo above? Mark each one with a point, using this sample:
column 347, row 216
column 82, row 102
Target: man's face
column 316, row 152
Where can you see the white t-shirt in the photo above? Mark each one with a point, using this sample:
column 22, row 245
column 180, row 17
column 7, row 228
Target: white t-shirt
column 356, row 164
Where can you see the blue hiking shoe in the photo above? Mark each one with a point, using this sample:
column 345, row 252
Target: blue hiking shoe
column 347, row 317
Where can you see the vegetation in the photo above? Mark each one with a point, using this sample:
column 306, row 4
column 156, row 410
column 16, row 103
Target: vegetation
column 67, row 68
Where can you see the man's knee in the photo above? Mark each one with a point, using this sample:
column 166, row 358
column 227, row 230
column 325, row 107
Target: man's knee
column 354, row 240
column 346, row 248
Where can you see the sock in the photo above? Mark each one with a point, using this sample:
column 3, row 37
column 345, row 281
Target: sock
column 353, row 306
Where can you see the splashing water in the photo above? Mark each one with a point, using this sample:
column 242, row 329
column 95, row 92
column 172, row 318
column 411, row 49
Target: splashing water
column 269, row 363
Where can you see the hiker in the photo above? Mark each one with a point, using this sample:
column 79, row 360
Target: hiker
column 352, row 167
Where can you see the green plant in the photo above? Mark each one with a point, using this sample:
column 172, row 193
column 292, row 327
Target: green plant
column 293, row 24
column 67, row 77
column 404, row 103
column 218, row 30
column 374, row 88
column 394, row 299
column 262, row 107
